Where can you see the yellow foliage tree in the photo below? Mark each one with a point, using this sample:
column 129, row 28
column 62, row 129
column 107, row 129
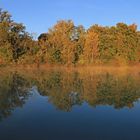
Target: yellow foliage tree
column 91, row 50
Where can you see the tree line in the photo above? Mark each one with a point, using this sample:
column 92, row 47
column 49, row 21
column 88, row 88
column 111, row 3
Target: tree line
column 68, row 44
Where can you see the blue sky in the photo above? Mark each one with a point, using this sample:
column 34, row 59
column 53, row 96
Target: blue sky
column 39, row 15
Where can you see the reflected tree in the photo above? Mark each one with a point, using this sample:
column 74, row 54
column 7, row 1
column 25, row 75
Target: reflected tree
column 68, row 89
column 13, row 93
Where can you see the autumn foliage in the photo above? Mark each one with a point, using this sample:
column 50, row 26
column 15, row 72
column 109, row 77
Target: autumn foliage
column 68, row 44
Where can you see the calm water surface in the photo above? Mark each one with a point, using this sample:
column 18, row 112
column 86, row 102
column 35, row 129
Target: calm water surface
column 66, row 105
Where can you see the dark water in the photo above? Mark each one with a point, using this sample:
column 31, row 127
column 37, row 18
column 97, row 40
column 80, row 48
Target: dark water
column 60, row 105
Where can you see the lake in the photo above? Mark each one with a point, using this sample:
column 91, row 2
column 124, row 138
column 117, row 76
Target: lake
column 58, row 104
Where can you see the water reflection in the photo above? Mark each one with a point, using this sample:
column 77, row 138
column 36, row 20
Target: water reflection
column 67, row 89
column 13, row 93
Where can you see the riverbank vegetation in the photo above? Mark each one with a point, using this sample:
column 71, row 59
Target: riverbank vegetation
column 68, row 44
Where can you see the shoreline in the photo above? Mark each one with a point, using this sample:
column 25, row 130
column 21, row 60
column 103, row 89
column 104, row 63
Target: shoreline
column 35, row 66
column 34, row 72
column 82, row 69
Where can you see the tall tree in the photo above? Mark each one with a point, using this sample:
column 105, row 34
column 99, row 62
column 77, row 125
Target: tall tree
column 91, row 50
column 14, row 40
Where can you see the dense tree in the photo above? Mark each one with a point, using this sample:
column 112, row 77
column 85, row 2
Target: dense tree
column 117, row 42
column 14, row 40
column 66, row 43
column 91, row 50
column 5, row 20
column 63, row 43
